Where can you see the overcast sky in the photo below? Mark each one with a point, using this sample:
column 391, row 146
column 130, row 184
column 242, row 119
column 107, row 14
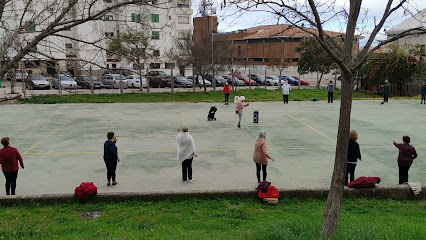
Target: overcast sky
column 229, row 20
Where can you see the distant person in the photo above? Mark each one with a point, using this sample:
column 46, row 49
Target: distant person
column 185, row 153
column 353, row 155
column 111, row 157
column 386, row 89
column 423, row 87
column 286, row 91
column 330, row 90
column 407, row 154
column 261, row 155
column 9, row 158
column 239, row 109
column 226, row 91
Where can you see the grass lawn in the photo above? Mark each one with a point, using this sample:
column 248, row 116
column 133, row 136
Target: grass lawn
column 255, row 95
column 223, row 218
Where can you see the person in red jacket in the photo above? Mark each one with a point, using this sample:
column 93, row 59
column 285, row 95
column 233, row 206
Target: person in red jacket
column 226, row 91
column 9, row 158
column 407, row 154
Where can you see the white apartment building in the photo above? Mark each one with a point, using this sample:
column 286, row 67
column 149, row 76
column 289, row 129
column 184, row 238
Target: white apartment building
column 83, row 47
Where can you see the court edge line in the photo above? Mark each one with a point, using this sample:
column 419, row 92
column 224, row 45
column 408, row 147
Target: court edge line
column 310, row 127
column 50, row 134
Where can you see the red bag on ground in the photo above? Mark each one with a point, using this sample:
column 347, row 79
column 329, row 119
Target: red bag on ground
column 271, row 193
column 86, row 190
column 364, row 182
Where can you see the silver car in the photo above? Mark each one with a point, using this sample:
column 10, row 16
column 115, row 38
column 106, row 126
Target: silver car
column 65, row 81
column 114, row 81
column 37, row 82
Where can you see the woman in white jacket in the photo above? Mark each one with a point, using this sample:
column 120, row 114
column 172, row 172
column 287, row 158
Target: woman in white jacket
column 185, row 153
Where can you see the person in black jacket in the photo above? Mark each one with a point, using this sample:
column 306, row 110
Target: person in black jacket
column 353, row 155
column 111, row 157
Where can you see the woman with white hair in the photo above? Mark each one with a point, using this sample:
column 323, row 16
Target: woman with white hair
column 239, row 109
column 261, row 155
column 185, row 153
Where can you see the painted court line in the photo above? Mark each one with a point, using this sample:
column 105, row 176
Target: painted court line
column 310, row 127
column 50, row 134
column 183, row 119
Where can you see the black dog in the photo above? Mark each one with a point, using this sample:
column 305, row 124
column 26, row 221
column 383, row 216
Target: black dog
column 211, row 114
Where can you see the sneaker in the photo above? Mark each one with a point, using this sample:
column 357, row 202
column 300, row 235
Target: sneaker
column 239, row 126
column 184, row 181
column 191, row 180
column 114, row 183
column 108, row 183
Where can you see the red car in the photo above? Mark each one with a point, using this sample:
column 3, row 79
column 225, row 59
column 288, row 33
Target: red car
column 302, row 81
column 244, row 78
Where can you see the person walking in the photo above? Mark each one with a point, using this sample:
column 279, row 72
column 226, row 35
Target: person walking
column 423, row 88
column 330, row 90
column 239, row 109
column 185, row 153
column 386, row 89
column 226, row 91
column 353, row 155
column 111, row 157
column 407, row 154
column 9, row 158
column 261, row 155
column 286, row 91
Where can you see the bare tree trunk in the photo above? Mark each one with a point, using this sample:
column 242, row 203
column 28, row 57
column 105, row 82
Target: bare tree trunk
column 335, row 195
column 147, row 79
column 92, row 90
column 204, row 83
column 12, row 82
column 172, row 82
column 319, row 80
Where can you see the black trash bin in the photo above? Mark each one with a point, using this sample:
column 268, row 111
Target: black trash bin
column 256, row 116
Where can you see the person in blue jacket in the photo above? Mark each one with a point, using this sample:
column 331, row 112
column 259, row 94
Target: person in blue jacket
column 111, row 157
column 423, row 93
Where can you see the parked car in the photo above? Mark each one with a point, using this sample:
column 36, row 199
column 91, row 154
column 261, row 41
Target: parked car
column 200, row 81
column 302, row 81
column 220, row 81
column 290, row 80
column 258, row 78
column 134, row 81
column 159, row 79
column 237, row 81
column 114, row 81
column 85, row 81
column 273, row 80
column 20, row 75
column 37, row 82
column 182, row 81
column 66, row 81
column 244, row 78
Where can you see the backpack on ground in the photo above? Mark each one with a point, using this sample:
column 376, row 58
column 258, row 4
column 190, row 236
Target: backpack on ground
column 86, row 190
column 263, row 186
column 272, row 192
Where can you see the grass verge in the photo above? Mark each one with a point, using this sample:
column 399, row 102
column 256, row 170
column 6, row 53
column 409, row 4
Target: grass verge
column 223, row 218
column 255, row 95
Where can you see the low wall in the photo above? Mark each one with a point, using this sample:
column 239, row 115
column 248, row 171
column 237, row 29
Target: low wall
column 399, row 192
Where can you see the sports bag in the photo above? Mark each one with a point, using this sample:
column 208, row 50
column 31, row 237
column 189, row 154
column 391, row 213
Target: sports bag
column 263, row 186
column 271, row 193
column 86, row 190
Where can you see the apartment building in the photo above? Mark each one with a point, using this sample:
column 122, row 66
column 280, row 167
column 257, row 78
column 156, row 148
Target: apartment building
column 82, row 47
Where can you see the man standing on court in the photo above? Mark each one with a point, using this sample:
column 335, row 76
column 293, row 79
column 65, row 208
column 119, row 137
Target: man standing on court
column 423, row 87
column 9, row 158
column 330, row 90
column 286, row 91
column 185, row 153
column 111, row 157
column 386, row 88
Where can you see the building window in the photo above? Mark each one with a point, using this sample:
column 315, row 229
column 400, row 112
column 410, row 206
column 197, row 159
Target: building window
column 154, row 65
column 183, row 3
column 239, row 51
column 181, row 35
column 170, row 17
column 31, row 27
column 183, row 19
column 170, row 65
column 155, row 35
column 68, row 45
column 109, row 34
column 107, row 1
column 136, row 17
column 68, row 29
column 155, row 17
column 34, row 48
column 108, row 18
column 154, row 2
column 139, row 66
column 156, row 53
column 114, row 65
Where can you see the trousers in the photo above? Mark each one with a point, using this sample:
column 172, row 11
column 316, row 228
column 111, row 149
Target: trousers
column 10, row 181
column 258, row 168
column 330, row 97
column 111, row 167
column 187, row 169
column 403, row 173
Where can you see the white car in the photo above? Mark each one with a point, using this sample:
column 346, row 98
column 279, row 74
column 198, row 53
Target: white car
column 65, row 81
column 134, row 81
column 273, row 80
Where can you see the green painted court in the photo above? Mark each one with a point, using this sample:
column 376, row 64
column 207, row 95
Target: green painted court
column 62, row 144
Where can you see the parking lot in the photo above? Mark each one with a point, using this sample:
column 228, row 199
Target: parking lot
column 62, row 144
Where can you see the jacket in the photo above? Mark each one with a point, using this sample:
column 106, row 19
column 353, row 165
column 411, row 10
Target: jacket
column 407, row 153
column 286, row 88
column 110, row 151
column 240, row 106
column 364, row 182
column 260, row 154
column 9, row 158
column 353, row 152
column 330, row 87
column 226, row 89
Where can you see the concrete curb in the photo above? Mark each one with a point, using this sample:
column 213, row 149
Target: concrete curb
column 399, row 192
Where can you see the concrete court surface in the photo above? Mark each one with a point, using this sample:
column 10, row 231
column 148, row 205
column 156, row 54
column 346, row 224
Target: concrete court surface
column 62, row 144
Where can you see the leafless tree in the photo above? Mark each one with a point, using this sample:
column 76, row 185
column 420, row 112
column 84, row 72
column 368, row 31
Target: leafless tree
column 313, row 17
